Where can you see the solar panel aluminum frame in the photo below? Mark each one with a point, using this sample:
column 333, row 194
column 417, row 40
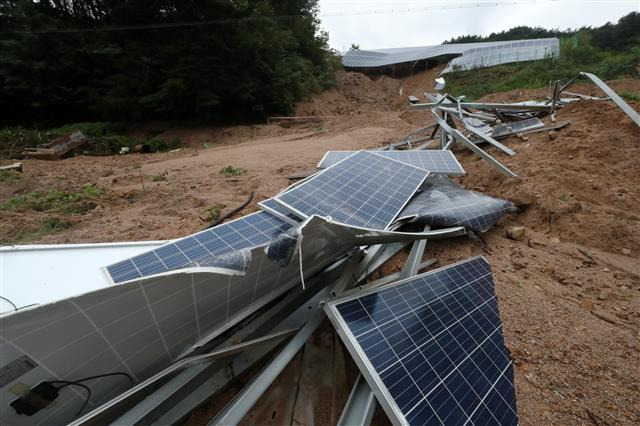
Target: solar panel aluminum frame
column 267, row 208
column 328, row 169
column 326, row 154
column 357, row 353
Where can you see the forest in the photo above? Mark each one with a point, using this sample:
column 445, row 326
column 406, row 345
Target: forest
column 211, row 61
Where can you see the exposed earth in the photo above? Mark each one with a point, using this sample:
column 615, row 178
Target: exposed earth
column 569, row 293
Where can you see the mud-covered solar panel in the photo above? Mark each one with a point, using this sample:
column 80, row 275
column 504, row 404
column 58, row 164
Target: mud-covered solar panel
column 431, row 347
column 434, row 161
column 442, row 203
column 516, row 127
column 365, row 189
column 248, row 231
column 272, row 206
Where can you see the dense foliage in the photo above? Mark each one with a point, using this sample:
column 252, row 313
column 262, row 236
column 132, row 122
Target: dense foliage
column 119, row 60
column 621, row 36
column 611, row 51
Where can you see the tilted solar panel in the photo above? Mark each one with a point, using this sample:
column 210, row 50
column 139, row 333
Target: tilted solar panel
column 434, row 161
column 245, row 232
column 431, row 347
column 365, row 189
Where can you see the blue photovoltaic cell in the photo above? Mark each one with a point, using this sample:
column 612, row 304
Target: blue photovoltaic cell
column 434, row 344
column 434, row 161
column 364, row 189
column 248, row 231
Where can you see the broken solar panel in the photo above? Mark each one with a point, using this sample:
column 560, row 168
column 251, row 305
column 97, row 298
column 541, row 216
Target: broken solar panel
column 434, row 161
column 517, row 127
column 365, row 189
column 272, row 206
column 431, row 347
column 442, row 203
column 248, row 231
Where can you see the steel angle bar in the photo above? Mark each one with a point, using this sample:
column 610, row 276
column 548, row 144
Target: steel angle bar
column 485, row 106
column 388, row 279
column 614, row 97
column 476, row 150
column 218, row 381
column 347, row 276
column 211, row 375
column 360, row 406
column 233, row 412
column 412, row 263
column 425, row 145
column 200, row 359
column 487, row 138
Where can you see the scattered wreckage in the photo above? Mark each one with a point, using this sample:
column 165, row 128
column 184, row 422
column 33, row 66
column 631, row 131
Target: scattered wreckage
column 172, row 324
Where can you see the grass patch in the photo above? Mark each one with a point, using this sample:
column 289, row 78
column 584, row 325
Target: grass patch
column 564, row 197
column 576, row 54
column 630, row 96
column 230, row 171
column 213, row 212
column 106, row 139
column 9, row 175
column 59, row 201
column 49, row 225
column 160, row 177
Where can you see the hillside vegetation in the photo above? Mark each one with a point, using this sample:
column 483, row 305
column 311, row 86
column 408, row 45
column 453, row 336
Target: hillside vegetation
column 611, row 51
column 116, row 60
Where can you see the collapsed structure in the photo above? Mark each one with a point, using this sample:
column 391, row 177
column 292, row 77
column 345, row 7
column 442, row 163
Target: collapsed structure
column 472, row 55
column 172, row 326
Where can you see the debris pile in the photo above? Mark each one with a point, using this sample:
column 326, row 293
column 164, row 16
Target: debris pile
column 183, row 320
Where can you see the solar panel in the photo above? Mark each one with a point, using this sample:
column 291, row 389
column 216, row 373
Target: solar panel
column 442, row 203
column 474, row 55
column 275, row 208
column 518, row 126
column 365, row 189
column 505, row 52
column 431, row 347
column 434, row 161
column 248, row 231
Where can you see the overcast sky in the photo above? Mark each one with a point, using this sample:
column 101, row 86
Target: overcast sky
column 376, row 24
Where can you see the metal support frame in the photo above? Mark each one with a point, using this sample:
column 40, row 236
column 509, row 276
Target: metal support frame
column 635, row 117
column 242, row 403
column 212, row 376
column 476, row 150
column 485, row 106
column 360, row 406
column 486, row 138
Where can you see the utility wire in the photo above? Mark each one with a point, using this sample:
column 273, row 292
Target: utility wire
column 455, row 5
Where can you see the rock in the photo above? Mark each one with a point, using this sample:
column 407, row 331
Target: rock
column 553, row 135
column 516, row 232
column 626, row 251
column 586, row 304
column 622, row 315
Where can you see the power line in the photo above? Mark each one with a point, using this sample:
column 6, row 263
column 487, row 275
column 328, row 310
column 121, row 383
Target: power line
column 440, row 6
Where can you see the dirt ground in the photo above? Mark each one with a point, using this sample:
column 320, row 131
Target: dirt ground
column 569, row 294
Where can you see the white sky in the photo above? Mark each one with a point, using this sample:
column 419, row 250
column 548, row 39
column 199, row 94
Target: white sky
column 377, row 24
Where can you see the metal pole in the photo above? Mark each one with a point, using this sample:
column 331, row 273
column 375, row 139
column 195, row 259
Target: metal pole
column 233, row 413
column 360, row 406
